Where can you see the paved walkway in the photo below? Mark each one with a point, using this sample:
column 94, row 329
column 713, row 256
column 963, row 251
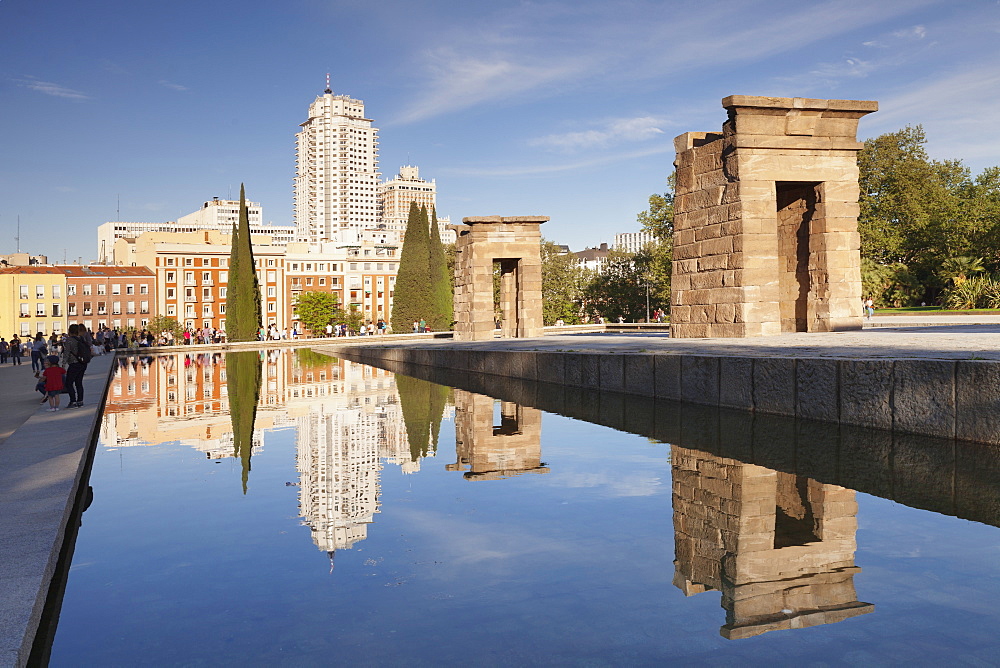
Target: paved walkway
column 42, row 456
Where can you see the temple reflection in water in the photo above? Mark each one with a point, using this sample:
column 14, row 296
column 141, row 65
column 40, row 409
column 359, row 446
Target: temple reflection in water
column 779, row 547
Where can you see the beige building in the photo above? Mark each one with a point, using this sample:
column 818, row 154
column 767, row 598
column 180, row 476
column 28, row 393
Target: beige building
column 406, row 187
column 337, row 177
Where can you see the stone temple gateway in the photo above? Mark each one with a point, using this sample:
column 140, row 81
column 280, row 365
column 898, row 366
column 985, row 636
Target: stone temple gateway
column 766, row 220
column 513, row 243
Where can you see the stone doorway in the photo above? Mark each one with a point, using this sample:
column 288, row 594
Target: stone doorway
column 796, row 207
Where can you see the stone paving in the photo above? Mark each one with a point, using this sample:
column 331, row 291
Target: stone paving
column 42, row 459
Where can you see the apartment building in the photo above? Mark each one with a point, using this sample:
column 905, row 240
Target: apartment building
column 337, row 177
column 192, row 274
column 32, row 299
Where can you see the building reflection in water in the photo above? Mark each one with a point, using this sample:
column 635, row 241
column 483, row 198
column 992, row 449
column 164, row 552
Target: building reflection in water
column 491, row 451
column 347, row 418
column 778, row 546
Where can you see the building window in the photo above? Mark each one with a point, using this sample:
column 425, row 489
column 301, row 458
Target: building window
column 39, row 292
column 171, row 310
column 71, row 308
column 322, row 281
column 56, row 311
column 222, row 309
column 171, row 277
column 86, row 289
column 171, row 293
column 188, row 262
column 116, row 308
column 144, row 307
column 56, row 292
column 39, row 310
column 71, row 290
column 170, row 261
column 143, row 289
column 130, row 289
column 271, row 308
column 102, row 289
column 116, row 288
column 223, row 291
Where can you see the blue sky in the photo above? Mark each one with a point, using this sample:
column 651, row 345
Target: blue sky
column 564, row 109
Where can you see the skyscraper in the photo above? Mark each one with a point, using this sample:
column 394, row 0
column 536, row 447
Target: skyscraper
column 336, row 181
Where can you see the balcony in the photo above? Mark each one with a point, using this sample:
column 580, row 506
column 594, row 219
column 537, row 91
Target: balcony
column 208, row 281
column 207, row 298
column 87, row 312
column 190, row 298
column 190, row 282
column 100, row 311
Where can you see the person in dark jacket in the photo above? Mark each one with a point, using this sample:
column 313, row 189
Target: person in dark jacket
column 76, row 356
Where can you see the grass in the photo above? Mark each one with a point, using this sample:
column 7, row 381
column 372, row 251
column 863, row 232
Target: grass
column 933, row 310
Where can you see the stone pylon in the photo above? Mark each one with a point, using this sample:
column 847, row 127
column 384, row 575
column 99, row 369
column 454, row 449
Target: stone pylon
column 515, row 244
column 765, row 220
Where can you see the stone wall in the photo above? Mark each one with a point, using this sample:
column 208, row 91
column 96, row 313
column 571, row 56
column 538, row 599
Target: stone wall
column 765, row 223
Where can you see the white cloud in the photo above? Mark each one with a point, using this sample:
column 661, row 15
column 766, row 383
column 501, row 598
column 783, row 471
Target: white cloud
column 956, row 110
column 53, row 89
column 609, row 133
column 916, row 32
column 172, row 86
column 545, row 49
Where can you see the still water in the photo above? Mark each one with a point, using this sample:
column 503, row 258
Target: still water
column 287, row 508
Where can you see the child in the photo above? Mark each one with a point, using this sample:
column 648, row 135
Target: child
column 53, row 375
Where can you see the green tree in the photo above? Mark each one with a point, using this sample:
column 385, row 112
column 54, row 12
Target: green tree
column 243, row 377
column 243, row 314
column 620, row 288
column 165, row 323
column 658, row 219
column 563, row 281
column 442, row 312
column 412, row 296
column 317, row 309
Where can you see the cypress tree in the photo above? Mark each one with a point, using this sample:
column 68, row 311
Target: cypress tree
column 243, row 376
column 411, row 296
column 243, row 316
column 442, row 311
column 423, row 404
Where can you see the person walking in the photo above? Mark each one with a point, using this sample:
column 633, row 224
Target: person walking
column 4, row 350
column 38, row 351
column 76, row 355
column 16, row 350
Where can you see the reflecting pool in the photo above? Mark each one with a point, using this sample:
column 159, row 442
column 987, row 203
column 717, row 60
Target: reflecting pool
column 288, row 508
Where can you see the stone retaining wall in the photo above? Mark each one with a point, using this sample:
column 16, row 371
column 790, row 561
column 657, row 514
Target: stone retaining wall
column 943, row 398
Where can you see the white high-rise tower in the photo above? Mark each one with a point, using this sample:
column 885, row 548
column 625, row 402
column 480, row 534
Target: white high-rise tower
column 336, row 181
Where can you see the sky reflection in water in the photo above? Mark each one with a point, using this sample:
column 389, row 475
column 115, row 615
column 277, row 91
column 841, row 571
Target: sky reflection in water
column 521, row 537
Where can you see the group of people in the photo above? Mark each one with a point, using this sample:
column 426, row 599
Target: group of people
column 60, row 363
column 364, row 329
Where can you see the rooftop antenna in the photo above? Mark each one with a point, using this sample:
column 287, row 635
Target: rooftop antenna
column 17, row 238
column 118, row 210
column 328, row 91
